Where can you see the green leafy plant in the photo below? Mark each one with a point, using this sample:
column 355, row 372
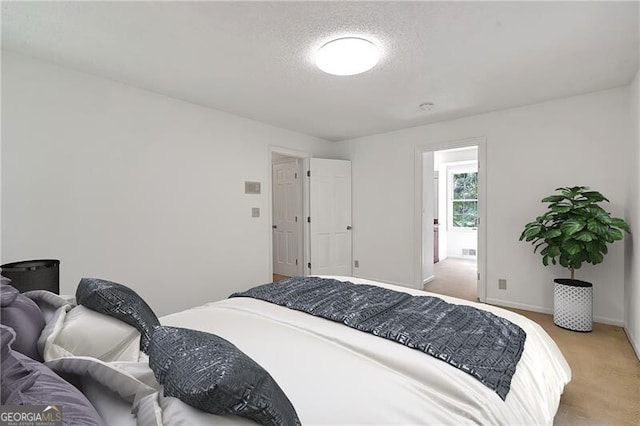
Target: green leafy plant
column 575, row 229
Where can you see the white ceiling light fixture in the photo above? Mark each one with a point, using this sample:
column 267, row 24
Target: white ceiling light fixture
column 347, row 56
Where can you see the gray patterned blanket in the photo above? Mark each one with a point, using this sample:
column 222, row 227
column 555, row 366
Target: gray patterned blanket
column 477, row 342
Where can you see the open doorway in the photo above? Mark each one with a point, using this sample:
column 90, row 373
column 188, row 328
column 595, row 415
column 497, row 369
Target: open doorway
column 452, row 194
column 455, row 223
column 310, row 212
column 287, row 201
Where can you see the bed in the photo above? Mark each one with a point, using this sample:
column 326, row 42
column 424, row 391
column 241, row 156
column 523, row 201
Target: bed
column 330, row 373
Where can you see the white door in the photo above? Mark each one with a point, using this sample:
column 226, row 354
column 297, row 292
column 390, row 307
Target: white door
column 330, row 219
column 287, row 219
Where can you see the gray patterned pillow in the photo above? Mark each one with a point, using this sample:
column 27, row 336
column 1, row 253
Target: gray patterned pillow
column 120, row 302
column 228, row 381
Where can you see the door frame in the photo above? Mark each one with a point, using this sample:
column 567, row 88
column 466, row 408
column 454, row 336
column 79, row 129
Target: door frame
column 481, row 143
column 304, row 160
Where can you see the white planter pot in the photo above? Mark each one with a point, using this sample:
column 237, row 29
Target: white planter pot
column 573, row 304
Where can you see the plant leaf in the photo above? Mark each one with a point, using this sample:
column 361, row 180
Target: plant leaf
column 580, row 203
column 564, row 261
column 561, row 208
column 553, row 233
column 594, row 196
column 596, row 227
column 620, row 223
column 592, row 247
column 603, row 217
column 571, row 226
column 615, row 234
column 596, row 258
column 532, row 229
column 572, row 247
column 551, row 251
column 584, row 236
column 553, row 199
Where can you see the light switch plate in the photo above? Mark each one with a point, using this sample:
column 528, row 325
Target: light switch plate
column 251, row 187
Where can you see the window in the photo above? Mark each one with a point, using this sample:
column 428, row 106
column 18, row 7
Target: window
column 463, row 198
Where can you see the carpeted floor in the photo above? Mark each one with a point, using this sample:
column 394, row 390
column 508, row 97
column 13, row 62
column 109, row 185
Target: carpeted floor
column 277, row 277
column 455, row 277
column 605, row 388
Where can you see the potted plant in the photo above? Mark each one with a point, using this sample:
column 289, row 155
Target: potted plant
column 574, row 229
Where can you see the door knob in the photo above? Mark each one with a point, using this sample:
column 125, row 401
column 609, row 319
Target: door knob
column 349, row 228
column 275, row 226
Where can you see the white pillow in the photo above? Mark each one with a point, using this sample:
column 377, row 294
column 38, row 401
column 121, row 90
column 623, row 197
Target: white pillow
column 82, row 332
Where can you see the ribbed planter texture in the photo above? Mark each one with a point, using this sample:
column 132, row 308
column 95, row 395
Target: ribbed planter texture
column 573, row 304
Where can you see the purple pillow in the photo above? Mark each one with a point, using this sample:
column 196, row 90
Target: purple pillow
column 28, row 382
column 25, row 317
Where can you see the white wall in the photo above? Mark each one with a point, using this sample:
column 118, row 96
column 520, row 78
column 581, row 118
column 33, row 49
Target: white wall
column 632, row 215
column 454, row 156
column 132, row 186
column 531, row 150
column 459, row 239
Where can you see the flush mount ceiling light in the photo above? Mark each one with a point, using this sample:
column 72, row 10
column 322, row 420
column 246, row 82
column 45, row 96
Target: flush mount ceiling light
column 347, row 56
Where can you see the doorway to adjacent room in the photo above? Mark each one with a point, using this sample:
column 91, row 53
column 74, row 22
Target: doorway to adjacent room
column 450, row 192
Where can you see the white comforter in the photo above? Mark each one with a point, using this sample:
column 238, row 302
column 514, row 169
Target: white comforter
column 336, row 375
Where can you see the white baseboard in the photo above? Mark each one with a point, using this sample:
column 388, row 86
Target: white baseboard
column 610, row 321
column 428, row 279
column 523, row 306
column 634, row 343
column 545, row 310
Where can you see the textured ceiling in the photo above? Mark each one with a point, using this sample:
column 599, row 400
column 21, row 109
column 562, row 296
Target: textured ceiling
column 255, row 59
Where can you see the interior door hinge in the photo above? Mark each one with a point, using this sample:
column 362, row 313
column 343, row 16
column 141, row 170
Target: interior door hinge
column 296, row 218
column 308, row 219
column 295, row 176
column 309, row 265
column 296, row 262
column 478, row 276
column 308, row 173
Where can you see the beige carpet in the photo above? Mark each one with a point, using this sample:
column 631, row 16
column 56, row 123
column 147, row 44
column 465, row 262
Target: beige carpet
column 277, row 277
column 605, row 388
column 455, row 277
